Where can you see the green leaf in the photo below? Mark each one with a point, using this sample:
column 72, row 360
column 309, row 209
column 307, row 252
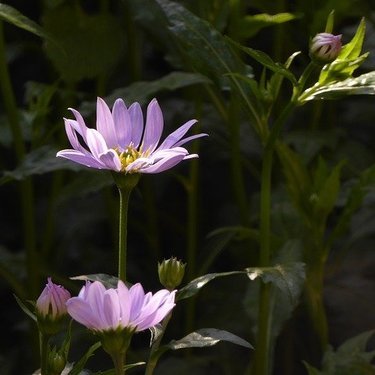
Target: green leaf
column 286, row 277
column 348, row 60
column 206, row 337
column 37, row 162
column 142, row 91
column 195, row 285
column 251, row 25
column 25, row 309
column 361, row 85
column 108, row 281
column 79, row 366
column 354, row 200
column 203, row 47
column 126, row 367
column 13, row 16
column 326, row 190
column 349, row 359
column 297, row 177
column 330, row 21
column 90, row 44
column 266, row 61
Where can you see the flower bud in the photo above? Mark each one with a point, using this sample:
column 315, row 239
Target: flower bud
column 325, row 47
column 171, row 273
column 56, row 362
column 51, row 307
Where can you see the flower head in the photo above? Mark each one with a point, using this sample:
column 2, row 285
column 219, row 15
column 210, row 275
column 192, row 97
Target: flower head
column 325, row 47
column 51, row 302
column 122, row 143
column 103, row 310
column 171, row 272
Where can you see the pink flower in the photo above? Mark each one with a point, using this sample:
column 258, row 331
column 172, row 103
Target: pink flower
column 325, row 47
column 101, row 309
column 121, row 143
column 51, row 302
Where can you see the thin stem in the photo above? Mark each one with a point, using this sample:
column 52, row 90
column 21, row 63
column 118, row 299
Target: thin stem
column 43, row 343
column 123, row 232
column 27, row 196
column 261, row 362
column 125, row 184
column 154, row 355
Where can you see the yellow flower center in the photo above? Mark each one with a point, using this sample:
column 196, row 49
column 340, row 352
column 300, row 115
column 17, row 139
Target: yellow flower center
column 129, row 155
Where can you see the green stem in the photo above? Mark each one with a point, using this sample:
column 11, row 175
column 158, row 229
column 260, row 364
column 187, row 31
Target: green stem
column 43, row 343
column 125, row 184
column 27, row 196
column 262, row 353
column 118, row 359
column 154, row 355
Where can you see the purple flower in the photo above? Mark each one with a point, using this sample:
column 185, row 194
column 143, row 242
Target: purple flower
column 51, row 302
column 101, row 309
column 121, row 143
column 325, row 47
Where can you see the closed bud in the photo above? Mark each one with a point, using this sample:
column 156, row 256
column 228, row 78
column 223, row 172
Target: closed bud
column 51, row 307
column 56, row 362
column 171, row 273
column 325, row 47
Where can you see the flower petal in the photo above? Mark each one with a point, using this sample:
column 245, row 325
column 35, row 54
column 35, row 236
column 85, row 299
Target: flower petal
column 188, row 139
column 105, row 124
column 111, row 160
column 136, row 119
column 81, row 311
column 96, row 143
column 78, row 157
column 111, row 309
column 71, row 127
column 174, row 137
column 163, row 164
column 122, row 124
column 154, row 127
column 125, row 303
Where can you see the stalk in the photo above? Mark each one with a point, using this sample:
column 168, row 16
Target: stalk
column 27, row 196
column 125, row 184
column 43, row 342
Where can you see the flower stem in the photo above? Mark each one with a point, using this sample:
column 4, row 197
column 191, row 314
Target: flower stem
column 43, row 343
column 26, row 186
column 119, row 362
column 154, row 355
column 125, row 184
column 262, row 353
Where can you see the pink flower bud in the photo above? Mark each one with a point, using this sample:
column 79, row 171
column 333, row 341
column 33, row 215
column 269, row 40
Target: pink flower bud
column 51, row 302
column 325, row 47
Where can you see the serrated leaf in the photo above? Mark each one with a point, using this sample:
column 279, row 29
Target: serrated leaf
column 13, row 16
column 266, row 61
column 79, row 366
column 206, row 337
column 361, row 85
column 108, row 281
column 288, row 278
column 195, row 285
column 37, row 162
column 250, row 25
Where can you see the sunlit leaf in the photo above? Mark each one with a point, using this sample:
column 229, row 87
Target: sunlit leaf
column 108, row 281
column 206, row 337
column 195, row 285
column 287, row 277
column 361, row 85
